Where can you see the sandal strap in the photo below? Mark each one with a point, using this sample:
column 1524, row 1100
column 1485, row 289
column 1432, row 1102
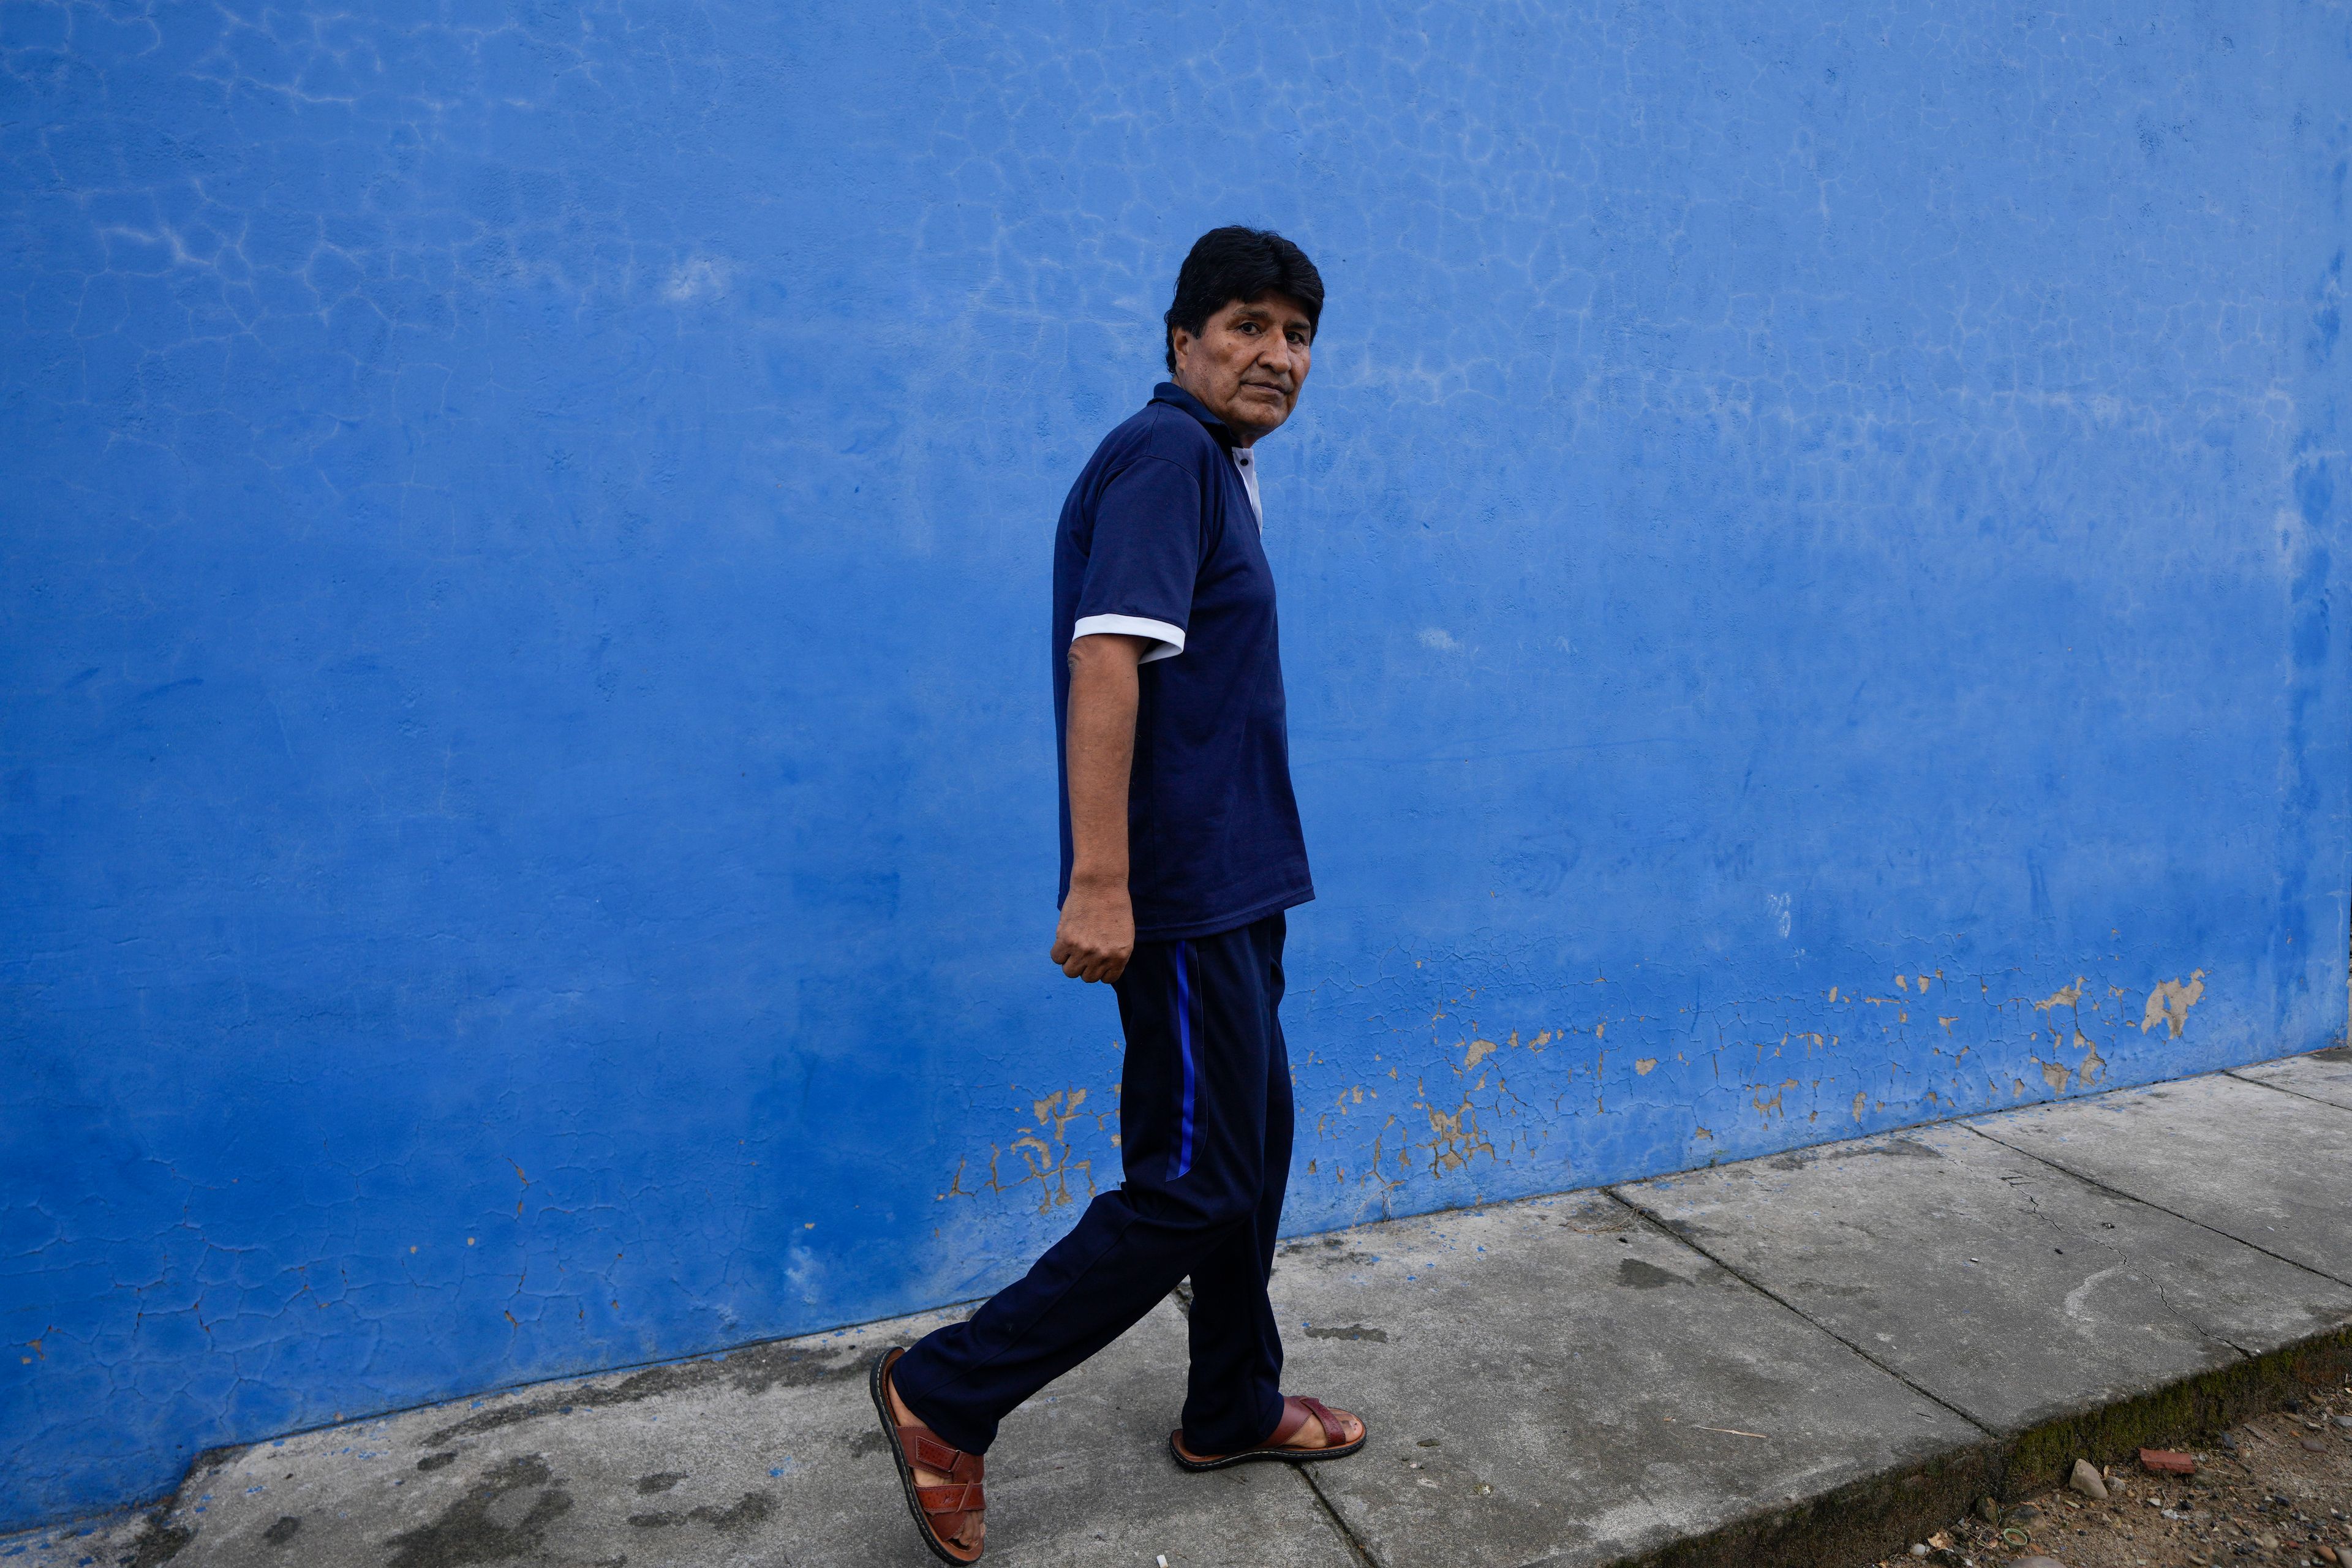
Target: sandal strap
column 1294, row 1416
column 951, row 1504
column 1296, row 1410
column 1332, row 1429
column 924, row 1449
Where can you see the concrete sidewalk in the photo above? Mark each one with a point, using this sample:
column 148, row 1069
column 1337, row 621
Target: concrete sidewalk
column 1809, row 1359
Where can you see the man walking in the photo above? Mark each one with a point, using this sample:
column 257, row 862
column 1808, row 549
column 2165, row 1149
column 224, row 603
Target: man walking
column 1181, row 850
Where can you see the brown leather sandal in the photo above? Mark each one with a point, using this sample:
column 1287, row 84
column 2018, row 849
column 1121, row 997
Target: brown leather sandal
column 939, row 1512
column 1296, row 1409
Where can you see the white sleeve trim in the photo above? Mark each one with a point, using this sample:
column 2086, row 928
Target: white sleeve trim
column 1170, row 639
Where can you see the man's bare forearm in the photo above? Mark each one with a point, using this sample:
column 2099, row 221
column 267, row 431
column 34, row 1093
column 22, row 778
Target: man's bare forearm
column 1103, row 686
column 1096, row 934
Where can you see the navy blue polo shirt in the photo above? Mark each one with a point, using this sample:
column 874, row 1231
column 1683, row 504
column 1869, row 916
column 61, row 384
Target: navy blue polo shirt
column 1159, row 539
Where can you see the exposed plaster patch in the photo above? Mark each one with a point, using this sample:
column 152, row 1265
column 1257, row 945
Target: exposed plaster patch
column 2094, row 1063
column 2171, row 1001
column 2069, row 997
column 1454, row 1136
column 1046, row 1154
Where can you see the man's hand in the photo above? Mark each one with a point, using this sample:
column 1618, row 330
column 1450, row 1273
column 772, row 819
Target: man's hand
column 1096, row 936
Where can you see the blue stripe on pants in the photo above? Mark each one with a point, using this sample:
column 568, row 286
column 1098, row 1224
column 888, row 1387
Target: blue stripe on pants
column 1181, row 1160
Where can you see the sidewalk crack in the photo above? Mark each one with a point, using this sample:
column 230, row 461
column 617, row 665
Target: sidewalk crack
column 2123, row 1260
column 1357, row 1551
column 2265, row 1083
column 2090, row 1181
column 1772, row 1295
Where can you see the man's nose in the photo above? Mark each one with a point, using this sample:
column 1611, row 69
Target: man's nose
column 1275, row 354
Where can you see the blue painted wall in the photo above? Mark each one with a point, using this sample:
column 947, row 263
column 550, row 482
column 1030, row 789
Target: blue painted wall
column 1810, row 561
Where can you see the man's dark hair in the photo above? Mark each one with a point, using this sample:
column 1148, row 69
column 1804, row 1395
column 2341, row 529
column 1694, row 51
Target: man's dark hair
column 1237, row 263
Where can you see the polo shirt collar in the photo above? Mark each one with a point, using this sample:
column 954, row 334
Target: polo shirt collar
column 1167, row 392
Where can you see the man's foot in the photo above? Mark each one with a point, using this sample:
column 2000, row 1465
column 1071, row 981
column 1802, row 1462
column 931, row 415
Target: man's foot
column 947, row 1502
column 1308, row 1429
column 1312, row 1434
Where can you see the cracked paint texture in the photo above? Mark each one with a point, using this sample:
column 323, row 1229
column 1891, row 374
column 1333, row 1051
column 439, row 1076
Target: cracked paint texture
column 1808, row 563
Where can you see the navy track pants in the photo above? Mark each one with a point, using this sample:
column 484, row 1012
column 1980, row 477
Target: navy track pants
column 1204, row 1122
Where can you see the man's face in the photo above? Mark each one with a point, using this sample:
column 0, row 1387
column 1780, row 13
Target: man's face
column 1248, row 362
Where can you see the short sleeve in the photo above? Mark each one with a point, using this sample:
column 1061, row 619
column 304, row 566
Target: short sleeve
column 1144, row 557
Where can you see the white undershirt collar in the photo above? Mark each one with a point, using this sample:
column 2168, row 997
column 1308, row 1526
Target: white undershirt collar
column 1248, row 466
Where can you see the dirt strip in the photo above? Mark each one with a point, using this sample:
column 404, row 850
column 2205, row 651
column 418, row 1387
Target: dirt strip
column 2275, row 1489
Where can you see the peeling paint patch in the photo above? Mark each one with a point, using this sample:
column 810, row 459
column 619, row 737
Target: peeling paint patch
column 2071, row 996
column 2094, row 1063
column 2171, row 1000
column 1045, row 1153
column 1454, row 1137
